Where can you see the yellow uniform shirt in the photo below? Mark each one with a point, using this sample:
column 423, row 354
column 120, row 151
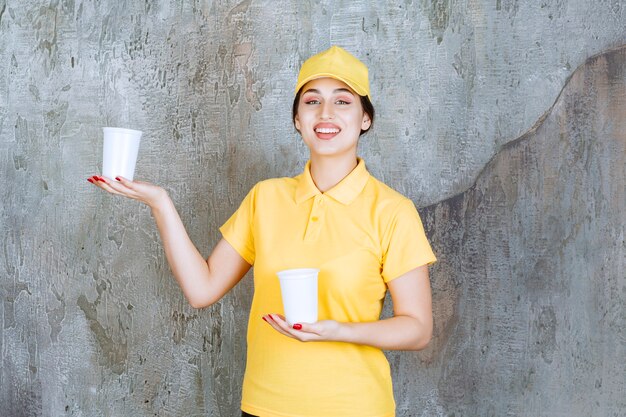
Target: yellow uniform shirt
column 360, row 234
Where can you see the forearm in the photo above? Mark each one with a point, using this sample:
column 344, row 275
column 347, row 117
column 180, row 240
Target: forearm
column 396, row 333
column 187, row 264
column 410, row 328
column 202, row 282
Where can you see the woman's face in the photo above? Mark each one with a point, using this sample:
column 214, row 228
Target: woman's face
column 330, row 117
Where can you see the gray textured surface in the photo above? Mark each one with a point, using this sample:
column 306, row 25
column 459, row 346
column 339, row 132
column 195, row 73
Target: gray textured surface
column 529, row 290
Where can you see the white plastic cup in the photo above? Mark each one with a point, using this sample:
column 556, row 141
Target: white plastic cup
column 298, row 288
column 119, row 152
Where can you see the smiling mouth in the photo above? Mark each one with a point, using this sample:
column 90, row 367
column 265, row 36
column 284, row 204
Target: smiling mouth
column 327, row 130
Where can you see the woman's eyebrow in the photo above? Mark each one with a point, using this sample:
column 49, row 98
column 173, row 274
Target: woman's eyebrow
column 337, row 90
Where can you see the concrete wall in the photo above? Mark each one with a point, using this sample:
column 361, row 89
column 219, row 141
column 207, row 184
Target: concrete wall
column 491, row 119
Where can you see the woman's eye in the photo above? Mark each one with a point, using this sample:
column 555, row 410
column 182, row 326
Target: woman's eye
column 342, row 102
column 312, row 101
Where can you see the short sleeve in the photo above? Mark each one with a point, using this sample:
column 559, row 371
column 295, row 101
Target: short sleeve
column 238, row 229
column 405, row 246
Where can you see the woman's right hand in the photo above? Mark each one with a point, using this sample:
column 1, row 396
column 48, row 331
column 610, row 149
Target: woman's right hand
column 147, row 193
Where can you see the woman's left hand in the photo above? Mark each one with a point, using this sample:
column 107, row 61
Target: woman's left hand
column 324, row 330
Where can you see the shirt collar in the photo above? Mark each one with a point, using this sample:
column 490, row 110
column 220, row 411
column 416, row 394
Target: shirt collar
column 345, row 192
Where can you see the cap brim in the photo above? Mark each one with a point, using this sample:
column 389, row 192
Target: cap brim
column 355, row 87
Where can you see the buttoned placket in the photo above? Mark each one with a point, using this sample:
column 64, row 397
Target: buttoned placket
column 316, row 218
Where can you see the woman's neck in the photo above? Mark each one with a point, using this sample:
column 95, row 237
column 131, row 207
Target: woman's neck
column 328, row 172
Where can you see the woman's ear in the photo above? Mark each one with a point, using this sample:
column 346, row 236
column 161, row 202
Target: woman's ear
column 296, row 122
column 367, row 122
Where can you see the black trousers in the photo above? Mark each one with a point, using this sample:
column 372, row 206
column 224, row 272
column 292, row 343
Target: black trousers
column 244, row 414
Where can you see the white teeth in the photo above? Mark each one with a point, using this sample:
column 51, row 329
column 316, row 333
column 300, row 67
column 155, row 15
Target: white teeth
column 326, row 130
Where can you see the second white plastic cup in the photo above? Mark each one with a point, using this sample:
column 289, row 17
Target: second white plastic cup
column 298, row 289
column 119, row 152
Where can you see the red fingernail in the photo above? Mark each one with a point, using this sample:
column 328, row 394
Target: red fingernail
column 297, row 326
column 101, row 179
column 264, row 318
column 90, row 180
column 118, row 178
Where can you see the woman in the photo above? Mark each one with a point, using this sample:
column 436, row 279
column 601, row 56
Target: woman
column 363, row 236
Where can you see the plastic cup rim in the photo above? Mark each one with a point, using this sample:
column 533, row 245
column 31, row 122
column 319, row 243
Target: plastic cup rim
column 295, row 273
column 122, row 130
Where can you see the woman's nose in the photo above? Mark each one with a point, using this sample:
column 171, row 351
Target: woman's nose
column 327, row 111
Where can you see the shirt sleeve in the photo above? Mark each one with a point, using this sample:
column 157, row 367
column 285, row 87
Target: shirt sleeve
column 405, row 246
column 238, row 229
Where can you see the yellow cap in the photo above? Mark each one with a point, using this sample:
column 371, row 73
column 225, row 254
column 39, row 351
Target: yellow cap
column 339, row 64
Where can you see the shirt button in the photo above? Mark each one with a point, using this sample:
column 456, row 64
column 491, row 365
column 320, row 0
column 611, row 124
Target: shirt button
column 314, row 218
